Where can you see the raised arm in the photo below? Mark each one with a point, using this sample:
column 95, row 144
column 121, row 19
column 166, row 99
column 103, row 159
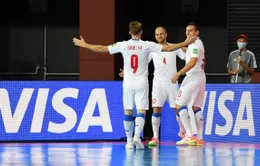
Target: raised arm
column 95, row 48
column 173, row 47
column 184, row 49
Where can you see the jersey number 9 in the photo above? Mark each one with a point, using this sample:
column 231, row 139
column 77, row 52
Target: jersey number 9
column 134, row 62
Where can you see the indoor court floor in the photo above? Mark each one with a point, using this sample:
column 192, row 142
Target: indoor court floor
column 115, row 154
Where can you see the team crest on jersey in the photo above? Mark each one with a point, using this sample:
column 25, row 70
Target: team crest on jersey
column 195, row 51
column 113, row 45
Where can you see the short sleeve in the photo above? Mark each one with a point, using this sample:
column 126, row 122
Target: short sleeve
column 194, row 51
column 153, row 47
column 115, row 48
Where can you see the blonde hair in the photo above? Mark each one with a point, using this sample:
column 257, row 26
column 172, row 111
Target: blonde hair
column 135, row 27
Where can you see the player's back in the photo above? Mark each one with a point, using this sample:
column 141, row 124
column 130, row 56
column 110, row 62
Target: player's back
column 136, row 57
column 195, row 50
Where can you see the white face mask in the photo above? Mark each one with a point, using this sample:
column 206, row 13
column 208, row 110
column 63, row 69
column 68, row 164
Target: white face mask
column 241, row 45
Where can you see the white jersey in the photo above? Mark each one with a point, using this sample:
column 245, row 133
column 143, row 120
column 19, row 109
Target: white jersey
column 136, row 56
column 165, row 64
column 195, row 50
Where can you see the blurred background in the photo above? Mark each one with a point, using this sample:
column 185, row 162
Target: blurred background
column 36, row 35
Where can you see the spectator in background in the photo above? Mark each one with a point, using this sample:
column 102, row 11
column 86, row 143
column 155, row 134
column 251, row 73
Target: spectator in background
column 241, row 62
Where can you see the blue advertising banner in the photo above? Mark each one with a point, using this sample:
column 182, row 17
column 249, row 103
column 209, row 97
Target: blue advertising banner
column 231, row 114
column 93, row 110
column 60, row 110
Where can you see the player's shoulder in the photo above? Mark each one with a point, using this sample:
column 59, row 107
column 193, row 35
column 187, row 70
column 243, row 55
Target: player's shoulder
column 198, row 43
column 149, row 42
column 153, row 54
column 193, row 45
column 119, row 43
column 126, row 41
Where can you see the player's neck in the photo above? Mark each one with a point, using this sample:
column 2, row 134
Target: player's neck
column 136, row 37
column 163, row 43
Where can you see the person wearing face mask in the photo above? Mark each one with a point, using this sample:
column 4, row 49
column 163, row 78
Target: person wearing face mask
column 241, row 62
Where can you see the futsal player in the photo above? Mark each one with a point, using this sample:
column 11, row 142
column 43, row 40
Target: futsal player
column 163, row 89
column 135, row 54
column 192, row 90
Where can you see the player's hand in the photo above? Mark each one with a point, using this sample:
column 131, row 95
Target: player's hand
column 175, row 78
column 190, row 39
column 79, row 42
column 121, row 74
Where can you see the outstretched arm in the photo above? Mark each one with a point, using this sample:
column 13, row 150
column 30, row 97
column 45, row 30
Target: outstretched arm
column 172, row 47
column 96, row 48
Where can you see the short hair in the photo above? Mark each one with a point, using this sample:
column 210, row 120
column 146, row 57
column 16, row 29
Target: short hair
column 194, row 24
column 135, row 27
column 162, row 28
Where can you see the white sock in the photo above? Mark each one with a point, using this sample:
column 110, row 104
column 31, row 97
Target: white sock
column 139, row 125
column 156, row 121
column 184, row 115
column 199, row 119
column 180, row 123
column 128, row 125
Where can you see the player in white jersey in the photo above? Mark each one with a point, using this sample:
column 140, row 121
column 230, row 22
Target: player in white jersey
column 192, row 90
column 163, row 89
column 135, row 54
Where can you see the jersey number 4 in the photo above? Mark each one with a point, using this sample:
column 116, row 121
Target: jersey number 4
column 164, row 60
column 134, row 62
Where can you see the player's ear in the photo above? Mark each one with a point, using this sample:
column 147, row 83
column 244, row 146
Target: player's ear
column 130, row 33
column 197, row 32
column 141, row 32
